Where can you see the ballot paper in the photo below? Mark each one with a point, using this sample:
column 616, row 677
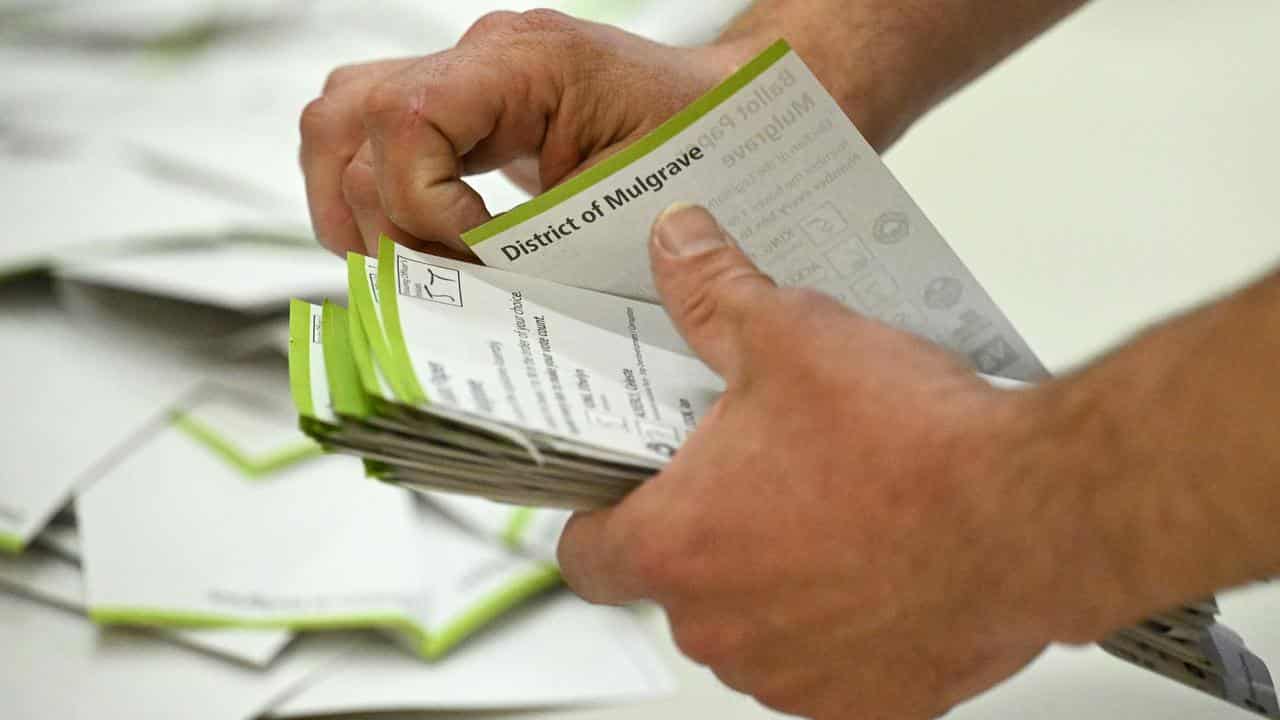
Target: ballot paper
column 63, row 666
column 62, row 539
column 71, row 209
column 1190, row 646
column 535, row 531
column 560, row 651
column 56, row 580
column 247, row 273
column 82, row 389
column 221, row 517
column 155, row 21
column 770, row 153
column 543, row 394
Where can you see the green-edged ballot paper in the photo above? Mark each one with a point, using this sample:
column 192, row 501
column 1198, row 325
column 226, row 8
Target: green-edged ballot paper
column 550, row 377
column 487, row 383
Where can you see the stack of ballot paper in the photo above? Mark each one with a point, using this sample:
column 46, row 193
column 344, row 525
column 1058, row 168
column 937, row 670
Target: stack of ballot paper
column 551, row 378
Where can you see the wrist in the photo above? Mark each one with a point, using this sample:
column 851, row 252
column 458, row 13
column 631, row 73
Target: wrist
column 864, row 68
column 1030, row 505
column 1085, row 581
column 1143, row 520
column 1064, row 561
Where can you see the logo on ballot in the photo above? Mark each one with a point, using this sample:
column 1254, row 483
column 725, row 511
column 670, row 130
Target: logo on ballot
column 427, row 281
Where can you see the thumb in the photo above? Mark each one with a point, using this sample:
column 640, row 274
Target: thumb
column 709, row 287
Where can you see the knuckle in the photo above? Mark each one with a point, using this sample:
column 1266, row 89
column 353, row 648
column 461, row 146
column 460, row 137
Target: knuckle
column 554, row 30
column 717, row 287
column 713, row 643
column 792, row 311
column 783, row 696
column 542, row 20
column 654, row 562
column 339, row 77
column 359, row 187
column 491, row 23
column 392, row 107
column 382, row 99
column 700, row 307
column 798, row 304
column 398, row 202
column 316, row 120
column 799, row 297
column 427, row 209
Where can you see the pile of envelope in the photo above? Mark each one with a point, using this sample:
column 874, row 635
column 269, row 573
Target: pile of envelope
column 170, row 544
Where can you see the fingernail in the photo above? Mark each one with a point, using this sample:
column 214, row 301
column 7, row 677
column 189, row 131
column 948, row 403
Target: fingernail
column 685, row 229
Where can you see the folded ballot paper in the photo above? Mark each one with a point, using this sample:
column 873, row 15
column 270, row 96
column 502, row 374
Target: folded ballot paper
column 256, row 532
column 557, row 651
column 550, row 377
column 49, row 577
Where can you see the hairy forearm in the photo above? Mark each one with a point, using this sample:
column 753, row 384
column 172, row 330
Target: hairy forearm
column 1171, row 446
column 889, row 61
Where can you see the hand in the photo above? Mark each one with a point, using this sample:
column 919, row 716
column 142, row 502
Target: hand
column 842, row 537
column 540, row 94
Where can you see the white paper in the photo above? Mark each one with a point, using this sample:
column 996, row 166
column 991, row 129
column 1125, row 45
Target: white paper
column 55, row 580
column 57, row 209
column 532, row 530
column 591, row 369
column 61, row 539
column 1254, row 613
column 784, row 170
column 245, row 276
column 560, row 652
column 75, row 391
column 313, row 544
column 60, row 666
column 141, row 20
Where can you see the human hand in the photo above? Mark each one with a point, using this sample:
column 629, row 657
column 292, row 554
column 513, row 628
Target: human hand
column 849, row 532
column 540, row 94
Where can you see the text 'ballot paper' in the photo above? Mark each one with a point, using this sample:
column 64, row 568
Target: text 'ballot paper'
column 770, row 153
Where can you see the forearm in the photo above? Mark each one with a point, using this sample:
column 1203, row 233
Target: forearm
column 889, row 61
column 1172, row 446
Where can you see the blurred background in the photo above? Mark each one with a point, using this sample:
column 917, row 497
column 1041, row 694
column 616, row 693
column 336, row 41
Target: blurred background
column 1121, row 168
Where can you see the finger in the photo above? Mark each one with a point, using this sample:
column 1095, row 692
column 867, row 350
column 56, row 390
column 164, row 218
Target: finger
column 596, row 558
column 332, row 131
column 525, row 173
column 360, row 192
column 460, row 111
column 709, row 287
